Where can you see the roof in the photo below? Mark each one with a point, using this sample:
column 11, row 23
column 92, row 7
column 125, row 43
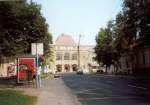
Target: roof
column 65, row 40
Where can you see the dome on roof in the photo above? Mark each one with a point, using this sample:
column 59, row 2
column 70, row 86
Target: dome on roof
column 65, row 40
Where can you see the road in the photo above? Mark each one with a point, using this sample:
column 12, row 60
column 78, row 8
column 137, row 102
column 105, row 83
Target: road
column 109, row 89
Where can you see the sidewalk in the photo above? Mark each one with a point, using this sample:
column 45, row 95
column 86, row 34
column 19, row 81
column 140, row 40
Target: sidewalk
column 54, row 92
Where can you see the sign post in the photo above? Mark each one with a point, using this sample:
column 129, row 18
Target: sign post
column 37, row 49
column 37, row 79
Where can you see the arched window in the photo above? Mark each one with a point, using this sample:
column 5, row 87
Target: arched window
column 74, row 67
column 74, row 56
column 59, row 67
column 66, row 56
column 58, row 56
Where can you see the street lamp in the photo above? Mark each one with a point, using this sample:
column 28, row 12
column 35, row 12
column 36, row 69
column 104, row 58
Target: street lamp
column 79, row 52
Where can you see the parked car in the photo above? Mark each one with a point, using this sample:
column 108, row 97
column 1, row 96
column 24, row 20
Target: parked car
column 80, row 72
column 56, row 75
column 99, row 71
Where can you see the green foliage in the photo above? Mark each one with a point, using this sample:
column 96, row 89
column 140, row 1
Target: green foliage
column 131, row 25
column 111, row 42
column 21, row 24
column 137, row 21
column 12, row 97
column 120, row 39
column 104, row 45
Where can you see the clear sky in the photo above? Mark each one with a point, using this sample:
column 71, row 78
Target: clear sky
column 74, row 17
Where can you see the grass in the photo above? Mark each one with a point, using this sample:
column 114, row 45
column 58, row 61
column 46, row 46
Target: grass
column 6, row 86
column 13, row 97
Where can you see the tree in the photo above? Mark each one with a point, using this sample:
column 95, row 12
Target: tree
column 103, row 47
column 131, row 25
column 120, row 44
column 137, row 21
column 111, row 42
column 21, row 24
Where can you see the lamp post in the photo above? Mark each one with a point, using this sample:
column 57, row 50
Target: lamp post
column 79, row 52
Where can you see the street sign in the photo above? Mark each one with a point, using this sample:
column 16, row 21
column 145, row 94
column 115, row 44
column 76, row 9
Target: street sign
column 37, row 48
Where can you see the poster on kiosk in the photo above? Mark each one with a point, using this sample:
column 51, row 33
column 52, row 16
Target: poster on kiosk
column 26, row 69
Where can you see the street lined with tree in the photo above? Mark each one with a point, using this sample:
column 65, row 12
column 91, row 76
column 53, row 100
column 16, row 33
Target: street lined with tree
column 127, row 33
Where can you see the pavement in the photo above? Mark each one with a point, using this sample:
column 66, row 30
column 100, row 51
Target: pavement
column 109, row 89
column 55, row 92
column 52, row 92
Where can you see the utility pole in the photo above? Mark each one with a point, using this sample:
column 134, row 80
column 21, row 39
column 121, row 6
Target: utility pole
column 79, row 52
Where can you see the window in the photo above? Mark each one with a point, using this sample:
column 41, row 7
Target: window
column 74, row 56
column 59, row 56
column 66, row 56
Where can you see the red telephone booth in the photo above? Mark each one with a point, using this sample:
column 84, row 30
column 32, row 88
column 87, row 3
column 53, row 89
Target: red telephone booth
column 26, row 69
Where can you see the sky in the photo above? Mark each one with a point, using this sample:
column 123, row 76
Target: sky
column 78, row 17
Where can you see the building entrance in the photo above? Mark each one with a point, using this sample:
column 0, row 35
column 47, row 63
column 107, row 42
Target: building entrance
column 59, row 68
column 67, row 67
column 74, row 67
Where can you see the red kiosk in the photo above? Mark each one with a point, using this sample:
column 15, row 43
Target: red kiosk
column 27, row 66
column 26, row 69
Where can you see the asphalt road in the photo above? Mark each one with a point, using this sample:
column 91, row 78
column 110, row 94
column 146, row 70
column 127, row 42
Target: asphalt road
column 109, row 90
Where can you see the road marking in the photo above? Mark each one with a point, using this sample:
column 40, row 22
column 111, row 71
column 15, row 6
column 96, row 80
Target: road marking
column 88, row 90
column 114, row 76
column 138, row 87
column 90, row 93
column 103, row 98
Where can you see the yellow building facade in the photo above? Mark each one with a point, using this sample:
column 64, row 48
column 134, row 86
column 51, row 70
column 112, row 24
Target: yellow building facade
column 69, row 56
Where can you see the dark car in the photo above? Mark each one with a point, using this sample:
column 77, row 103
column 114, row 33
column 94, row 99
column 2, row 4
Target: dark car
column 80, row 72
column 99, row 71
